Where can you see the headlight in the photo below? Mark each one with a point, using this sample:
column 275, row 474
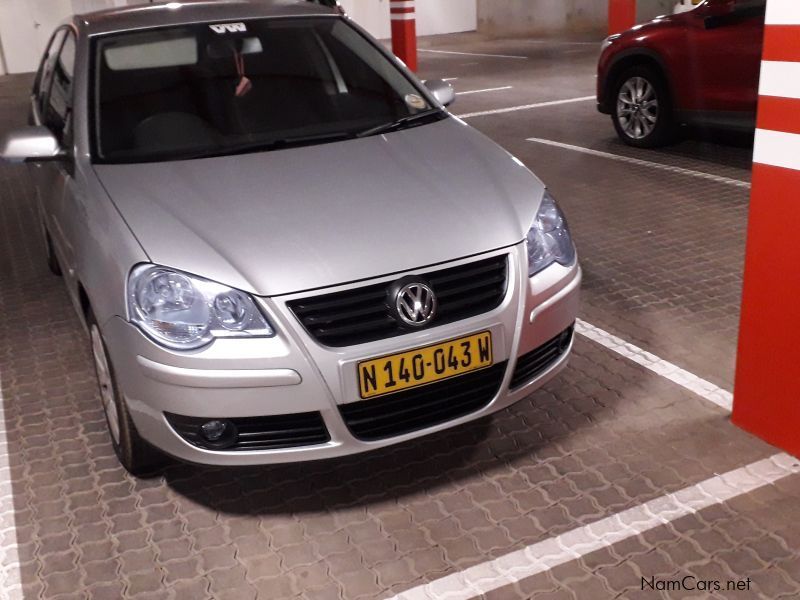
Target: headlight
column 184, row 312
column 549, row 240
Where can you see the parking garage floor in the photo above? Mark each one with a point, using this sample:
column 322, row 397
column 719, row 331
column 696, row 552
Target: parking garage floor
column 622, row 475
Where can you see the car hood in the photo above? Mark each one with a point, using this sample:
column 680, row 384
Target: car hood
column 658, row 22
column 291, row 220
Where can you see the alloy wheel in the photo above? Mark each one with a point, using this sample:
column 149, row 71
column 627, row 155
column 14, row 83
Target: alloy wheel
column 107, row 394
column 637, row 108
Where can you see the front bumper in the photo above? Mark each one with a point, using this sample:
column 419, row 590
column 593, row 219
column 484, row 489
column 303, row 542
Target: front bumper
column 293, row 374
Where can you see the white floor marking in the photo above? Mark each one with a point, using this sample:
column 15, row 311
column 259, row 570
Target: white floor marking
column 449, row 78
column 495, row 89
column 644, row 163
column 10, row 577
column 693, row 383
column 473, row 54
column 498, row 111
column 558, row 43
column 545, row 555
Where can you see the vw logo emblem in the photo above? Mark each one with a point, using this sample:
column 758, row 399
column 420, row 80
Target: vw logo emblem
column 416, row 304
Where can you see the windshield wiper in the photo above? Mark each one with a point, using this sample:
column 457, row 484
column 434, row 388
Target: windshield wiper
column 399, row 123
column 277, row 144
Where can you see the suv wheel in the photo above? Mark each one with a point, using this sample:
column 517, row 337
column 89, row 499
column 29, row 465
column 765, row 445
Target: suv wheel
column 642, row 110
column 136, row 455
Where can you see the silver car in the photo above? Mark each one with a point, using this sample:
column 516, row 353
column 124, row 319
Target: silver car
column 281, row 243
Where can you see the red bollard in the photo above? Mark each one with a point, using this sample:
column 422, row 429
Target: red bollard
column 404, row 31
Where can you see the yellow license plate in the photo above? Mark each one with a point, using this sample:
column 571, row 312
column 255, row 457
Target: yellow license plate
column 388, row 374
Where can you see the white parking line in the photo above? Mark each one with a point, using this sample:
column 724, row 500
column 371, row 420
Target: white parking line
column 558, row 43
column 693, row 383
column 498, row 111
column 495, row 89
column 547, row 554
column 473, row 54
column 544, row 556
column 644, row 163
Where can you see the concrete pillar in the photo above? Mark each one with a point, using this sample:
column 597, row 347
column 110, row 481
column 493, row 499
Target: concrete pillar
column 539, row 18
column 767, row 392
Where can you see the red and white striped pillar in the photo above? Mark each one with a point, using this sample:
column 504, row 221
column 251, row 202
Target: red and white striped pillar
column 404, row 31
column 767, row 393
column 621, row 15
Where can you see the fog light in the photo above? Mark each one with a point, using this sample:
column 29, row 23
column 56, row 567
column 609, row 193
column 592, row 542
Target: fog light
column 566, row 338
column 218, row 434
column 214, row 430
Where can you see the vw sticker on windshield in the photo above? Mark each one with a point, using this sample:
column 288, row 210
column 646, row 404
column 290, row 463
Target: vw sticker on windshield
column 415, row 101
column 229, row 28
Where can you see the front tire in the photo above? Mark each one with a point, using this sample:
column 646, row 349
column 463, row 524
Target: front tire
column 133, row 452
column 642, row 111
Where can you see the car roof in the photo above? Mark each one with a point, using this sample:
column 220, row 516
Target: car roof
column 162, row 14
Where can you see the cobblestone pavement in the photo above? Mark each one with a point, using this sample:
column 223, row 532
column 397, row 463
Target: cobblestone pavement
column 662, row 255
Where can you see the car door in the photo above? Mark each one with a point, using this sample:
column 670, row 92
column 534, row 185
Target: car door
column 726, row 44
column 54, row 179
column 42, row 176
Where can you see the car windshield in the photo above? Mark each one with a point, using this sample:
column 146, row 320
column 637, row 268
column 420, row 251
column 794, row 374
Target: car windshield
column 217, row 89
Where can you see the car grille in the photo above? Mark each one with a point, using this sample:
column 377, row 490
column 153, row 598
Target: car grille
column 364, row 315
column 426, row 406
column 258, row 433
column 537, row 361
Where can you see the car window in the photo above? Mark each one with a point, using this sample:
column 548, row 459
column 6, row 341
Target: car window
column 214, row 89
column 45, row 75
column 58, row 101
column 756, row 7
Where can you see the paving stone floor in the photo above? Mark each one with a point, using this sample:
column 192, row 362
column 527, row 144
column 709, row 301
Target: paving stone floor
column 662, row 255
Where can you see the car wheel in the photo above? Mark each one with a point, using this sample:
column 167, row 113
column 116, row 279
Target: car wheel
column 135, row 454
column 642, row 109
column 52, row 261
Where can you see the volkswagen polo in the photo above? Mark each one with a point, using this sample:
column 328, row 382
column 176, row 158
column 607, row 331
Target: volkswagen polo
column 282, row 245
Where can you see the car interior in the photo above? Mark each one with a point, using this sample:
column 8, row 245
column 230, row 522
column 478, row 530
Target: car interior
column 232, row 89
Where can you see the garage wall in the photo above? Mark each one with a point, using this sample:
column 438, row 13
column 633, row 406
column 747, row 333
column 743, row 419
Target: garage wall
column 542, row 17
column 433, row 16
column 647, row 10
column 26, row 25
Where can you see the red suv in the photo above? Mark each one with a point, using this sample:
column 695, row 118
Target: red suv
column 698, row 68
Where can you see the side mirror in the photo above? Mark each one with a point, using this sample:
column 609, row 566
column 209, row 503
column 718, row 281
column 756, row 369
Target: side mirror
column 30, row 144
column 441, row 90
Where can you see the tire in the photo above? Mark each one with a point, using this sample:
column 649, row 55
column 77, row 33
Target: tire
column 52, row 261
column 642, row 109
column 134, row 453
